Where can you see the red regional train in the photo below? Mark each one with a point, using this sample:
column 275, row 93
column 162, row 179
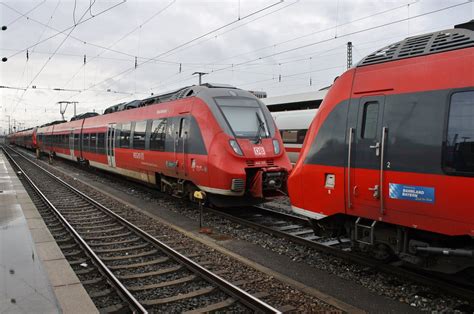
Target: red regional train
column 212, row 138
column 389, row 157
column 25, row 138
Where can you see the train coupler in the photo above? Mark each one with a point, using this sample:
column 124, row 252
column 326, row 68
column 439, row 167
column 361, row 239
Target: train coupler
column 268, row 181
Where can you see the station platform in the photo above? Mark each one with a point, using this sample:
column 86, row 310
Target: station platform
column 35, row 277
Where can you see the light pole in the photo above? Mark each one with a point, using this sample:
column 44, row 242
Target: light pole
column 201, row 74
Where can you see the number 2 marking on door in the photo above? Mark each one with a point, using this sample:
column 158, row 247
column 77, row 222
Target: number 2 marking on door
column 388, row 164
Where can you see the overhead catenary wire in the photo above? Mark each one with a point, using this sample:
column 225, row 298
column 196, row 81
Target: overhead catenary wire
column 58, row 47
column 250, row 65
column 59, row 32
column 347, row 34
column 292, row 39
column 310, row 34
column 316, row 53
column 108, row 48
column 218, row 29
column 47, row 61
column 28, row 12
column 370, row 43
column 234, row 28
column 25, row 68
column 74, row 12
column 91, row 3
column 130, row 69
column 221, row 34
column 233, row 67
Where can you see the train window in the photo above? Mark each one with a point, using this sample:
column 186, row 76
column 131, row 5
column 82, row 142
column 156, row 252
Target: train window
column 85, row 142
column 459, row 145
column 76, row 141
column 116, row 140
column 301, row 136
column 293, row 136
column 369, row 122
column 183, row 127
column 244, row 116
column 158, row 135
column 289, row 136
column 139, row 135
column 100, row 143
column 93, row 142
column 125, row 135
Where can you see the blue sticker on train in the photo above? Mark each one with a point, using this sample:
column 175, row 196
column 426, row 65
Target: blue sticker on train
column 411, row 193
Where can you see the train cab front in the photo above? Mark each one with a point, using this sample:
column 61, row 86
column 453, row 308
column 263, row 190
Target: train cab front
column 255, row 164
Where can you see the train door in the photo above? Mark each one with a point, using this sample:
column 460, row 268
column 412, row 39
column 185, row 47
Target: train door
column 366, row 191
column 182, row 135
column 71, row 144
column 110, row 144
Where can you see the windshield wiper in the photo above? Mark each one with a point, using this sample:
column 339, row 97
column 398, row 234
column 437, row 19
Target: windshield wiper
column 261, row 127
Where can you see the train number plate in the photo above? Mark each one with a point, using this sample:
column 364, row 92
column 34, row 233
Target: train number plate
column 259, row 151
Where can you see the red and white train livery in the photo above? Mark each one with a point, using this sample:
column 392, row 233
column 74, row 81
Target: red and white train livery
column 217, row 139
column 389, row 157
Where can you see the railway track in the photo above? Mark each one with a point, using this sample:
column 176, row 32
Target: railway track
column 128, row 269
column 299, row 230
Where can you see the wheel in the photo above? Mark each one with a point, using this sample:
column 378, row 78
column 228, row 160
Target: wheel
column 382, row 252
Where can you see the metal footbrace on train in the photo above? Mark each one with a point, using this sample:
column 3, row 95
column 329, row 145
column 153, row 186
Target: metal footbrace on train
column 414, row 246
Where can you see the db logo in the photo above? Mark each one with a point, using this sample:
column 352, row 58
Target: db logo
column 259, row 151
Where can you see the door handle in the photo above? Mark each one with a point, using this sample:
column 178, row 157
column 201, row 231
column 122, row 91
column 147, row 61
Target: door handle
column 376, row 191
column 376, row 147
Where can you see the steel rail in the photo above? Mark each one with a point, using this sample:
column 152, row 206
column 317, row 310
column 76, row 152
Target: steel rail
column 420, row 278
column 240, row 295
column 407, row 273
column 123, row 292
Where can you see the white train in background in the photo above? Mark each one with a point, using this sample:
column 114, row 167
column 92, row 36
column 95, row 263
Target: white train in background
column 293, row 115
column 293, row 126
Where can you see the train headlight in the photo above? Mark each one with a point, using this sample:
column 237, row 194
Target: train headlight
column 235, row 146
column 276, row 147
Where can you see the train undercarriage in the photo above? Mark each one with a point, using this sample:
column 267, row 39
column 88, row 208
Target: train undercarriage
column 260, row 185
column 387, row 242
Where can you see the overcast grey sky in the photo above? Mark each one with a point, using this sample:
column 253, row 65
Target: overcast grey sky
column 246, row 43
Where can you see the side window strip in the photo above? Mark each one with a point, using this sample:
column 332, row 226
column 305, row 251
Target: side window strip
column 459, row 143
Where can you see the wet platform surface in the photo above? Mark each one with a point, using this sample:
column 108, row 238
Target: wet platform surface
column 35, row 277
column 24, row 284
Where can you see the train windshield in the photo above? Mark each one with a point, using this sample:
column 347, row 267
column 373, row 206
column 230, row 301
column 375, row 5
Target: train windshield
column 245, row 117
